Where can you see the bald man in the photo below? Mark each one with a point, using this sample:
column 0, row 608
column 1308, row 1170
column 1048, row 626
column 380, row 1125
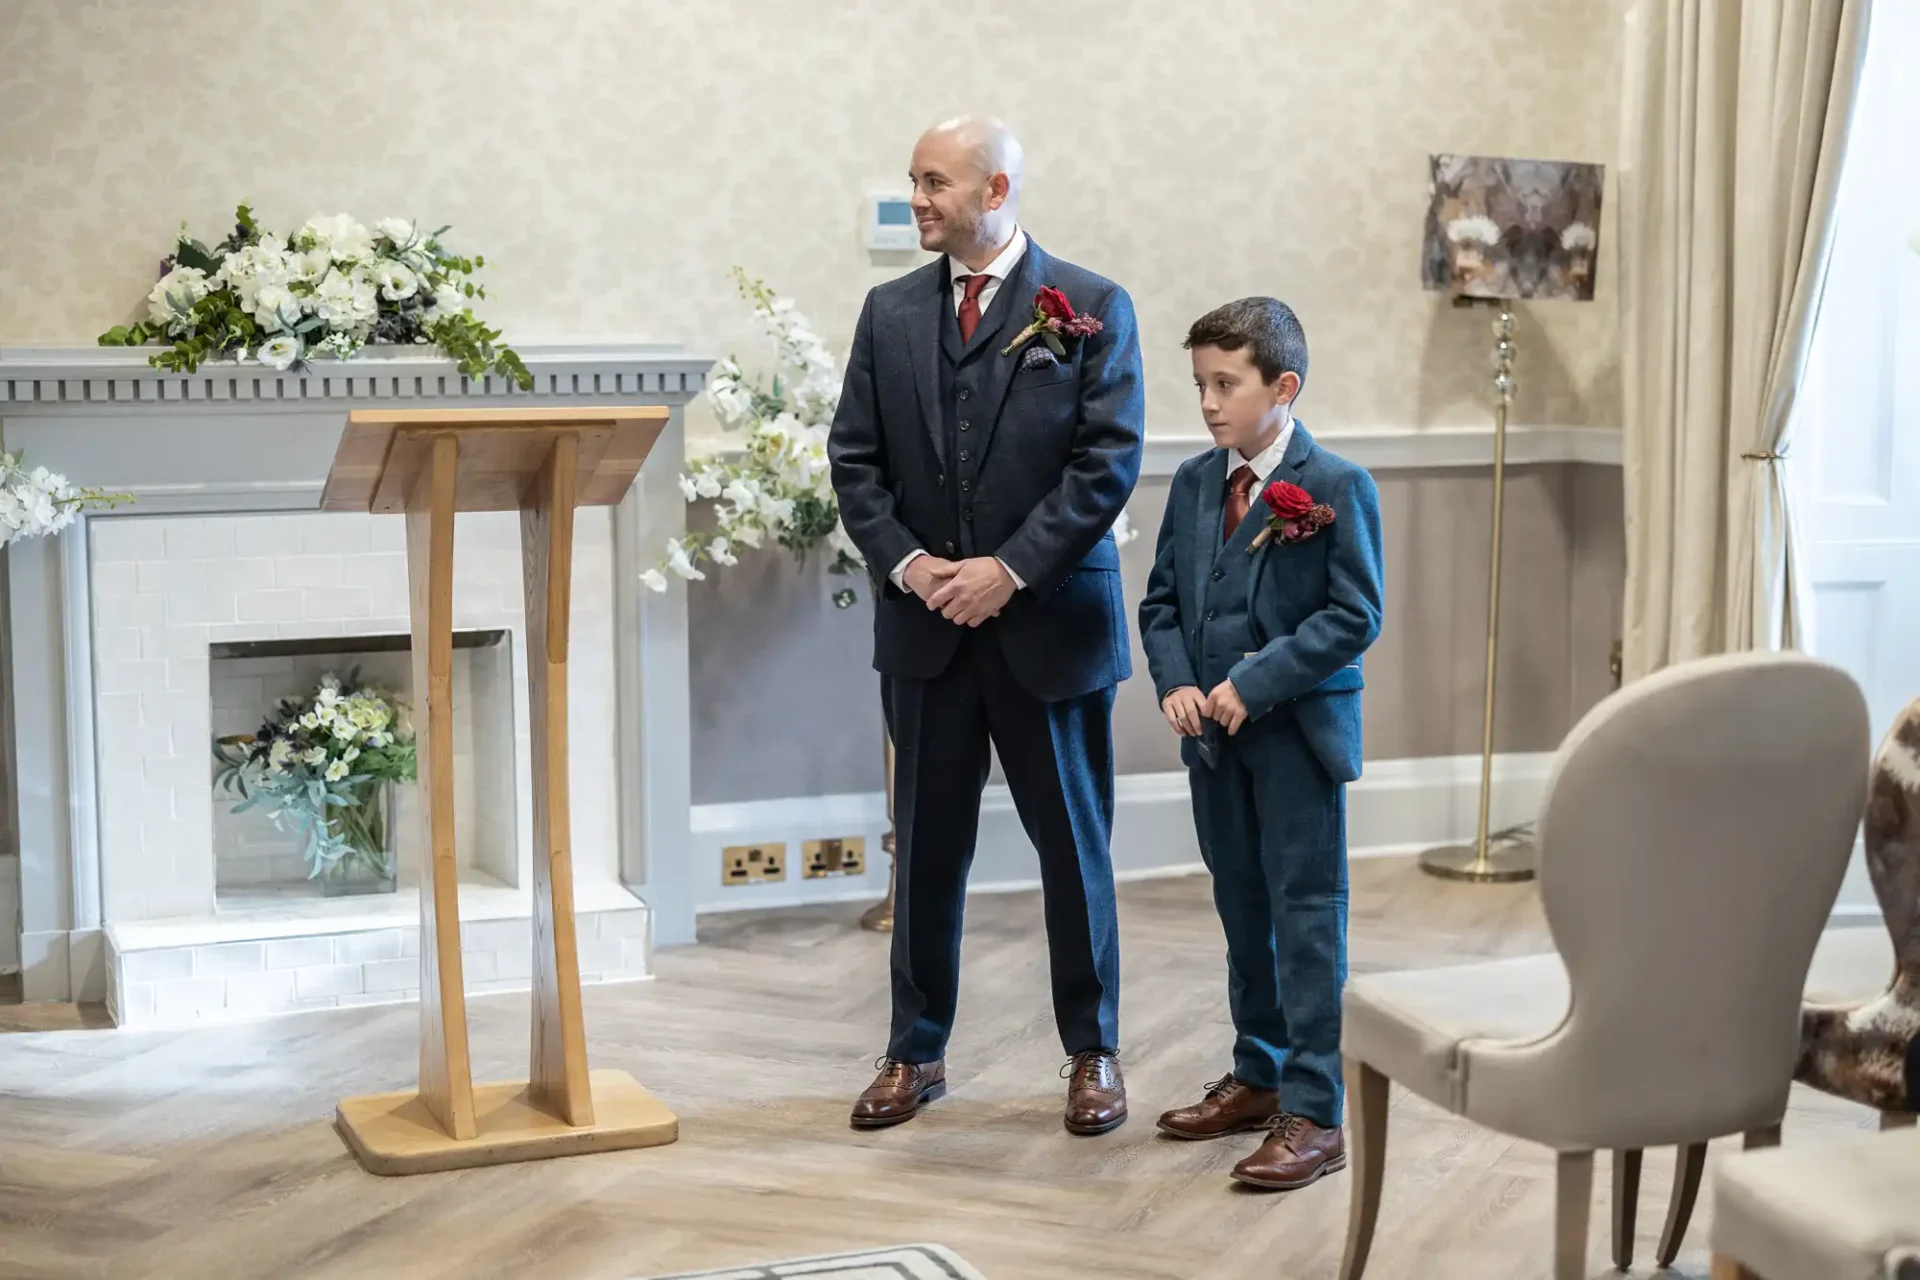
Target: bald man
column 980, row 467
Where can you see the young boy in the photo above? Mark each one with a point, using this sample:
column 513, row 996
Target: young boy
column 1266, row 590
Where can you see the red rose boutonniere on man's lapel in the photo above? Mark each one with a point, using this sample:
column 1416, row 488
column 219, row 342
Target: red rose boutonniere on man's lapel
column 1292, row 513
column 1054, row 321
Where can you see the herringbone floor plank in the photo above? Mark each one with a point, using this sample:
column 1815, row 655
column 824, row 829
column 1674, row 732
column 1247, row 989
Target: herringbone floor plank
column 209, row 1153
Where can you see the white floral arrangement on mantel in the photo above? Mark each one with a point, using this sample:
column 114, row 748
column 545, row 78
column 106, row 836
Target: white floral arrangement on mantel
column 327, row 290
column 40, row 503
column 778, row 485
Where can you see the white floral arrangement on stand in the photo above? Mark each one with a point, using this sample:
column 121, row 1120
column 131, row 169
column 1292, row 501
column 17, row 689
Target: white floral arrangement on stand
column 40, row 503
column 778, row 486
column 329, row 289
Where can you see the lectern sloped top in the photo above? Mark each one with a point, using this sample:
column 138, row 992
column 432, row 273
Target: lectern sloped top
column 384, row 452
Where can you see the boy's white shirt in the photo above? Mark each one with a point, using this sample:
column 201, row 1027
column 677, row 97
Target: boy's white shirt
column 1267, row 459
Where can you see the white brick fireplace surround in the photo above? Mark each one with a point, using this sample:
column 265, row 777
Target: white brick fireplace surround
column 121, row 636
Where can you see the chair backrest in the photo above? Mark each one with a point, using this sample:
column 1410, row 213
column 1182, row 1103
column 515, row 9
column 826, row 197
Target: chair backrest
column 1693, row 837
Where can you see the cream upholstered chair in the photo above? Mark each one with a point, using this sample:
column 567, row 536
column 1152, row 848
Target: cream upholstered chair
column 1694, row 833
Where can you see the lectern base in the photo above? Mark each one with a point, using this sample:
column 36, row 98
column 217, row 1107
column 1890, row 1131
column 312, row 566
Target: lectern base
column 393, row 1133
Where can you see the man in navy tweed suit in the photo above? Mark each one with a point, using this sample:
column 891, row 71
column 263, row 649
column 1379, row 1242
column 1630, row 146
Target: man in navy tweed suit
column 980, row 463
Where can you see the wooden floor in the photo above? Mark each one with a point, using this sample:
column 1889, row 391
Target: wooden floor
column 209, row 1153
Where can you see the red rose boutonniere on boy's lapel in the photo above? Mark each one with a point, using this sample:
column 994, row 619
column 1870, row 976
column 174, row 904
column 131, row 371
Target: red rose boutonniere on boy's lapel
column 1053, row 322
column 1292, row 513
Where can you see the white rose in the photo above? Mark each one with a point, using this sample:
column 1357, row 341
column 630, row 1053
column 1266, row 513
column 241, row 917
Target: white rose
column 172, row 299
column 275, row 307
column 399, row 230
column 395, row 280
column 345, row 239
column 448, row 300
column 654, row 580
column 366, row 294
column 280, row 352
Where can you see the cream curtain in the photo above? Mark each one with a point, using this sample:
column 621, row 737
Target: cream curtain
column 1736, row 120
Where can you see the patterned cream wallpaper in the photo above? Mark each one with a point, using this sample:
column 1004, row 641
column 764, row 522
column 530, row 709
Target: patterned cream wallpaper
column 612, row 158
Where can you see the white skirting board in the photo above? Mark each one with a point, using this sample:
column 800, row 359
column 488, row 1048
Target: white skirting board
column 1397, row 807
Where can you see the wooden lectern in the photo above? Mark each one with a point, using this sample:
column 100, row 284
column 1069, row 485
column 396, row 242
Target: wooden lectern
column 429, row 464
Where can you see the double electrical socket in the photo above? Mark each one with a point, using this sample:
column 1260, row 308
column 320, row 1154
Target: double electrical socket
column 753, row 863
column 767, row 863
column 846, row 856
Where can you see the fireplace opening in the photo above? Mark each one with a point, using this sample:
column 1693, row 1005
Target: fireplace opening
column 258, row 862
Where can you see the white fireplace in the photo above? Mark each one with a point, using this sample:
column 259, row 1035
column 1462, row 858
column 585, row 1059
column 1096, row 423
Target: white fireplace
column 142, row 634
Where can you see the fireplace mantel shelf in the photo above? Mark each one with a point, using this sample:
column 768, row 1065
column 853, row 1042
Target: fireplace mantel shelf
column 96, row 377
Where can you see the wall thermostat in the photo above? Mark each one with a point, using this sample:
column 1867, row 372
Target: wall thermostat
column 890, row 224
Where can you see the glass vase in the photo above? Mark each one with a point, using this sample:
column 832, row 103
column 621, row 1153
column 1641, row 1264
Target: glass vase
column 370, row 828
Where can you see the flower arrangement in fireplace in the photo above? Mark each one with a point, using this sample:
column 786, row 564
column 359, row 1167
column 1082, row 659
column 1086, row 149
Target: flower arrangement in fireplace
column 327, row 290
column 39, row 503
column 323, row 766
column 778, row 486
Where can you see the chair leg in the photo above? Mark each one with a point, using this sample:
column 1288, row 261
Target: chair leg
column 1759, row 1139
column 1573, row 1201
column 1626, row 1205
column 1367, row 1120
column 1897, row 1120
column 1686, row 1189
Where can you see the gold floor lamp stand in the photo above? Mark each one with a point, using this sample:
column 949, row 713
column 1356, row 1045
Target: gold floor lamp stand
column 1494, row 856
column 428, row 465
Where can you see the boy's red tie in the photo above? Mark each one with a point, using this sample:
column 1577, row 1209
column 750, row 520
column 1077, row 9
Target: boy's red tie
column 1239, row 498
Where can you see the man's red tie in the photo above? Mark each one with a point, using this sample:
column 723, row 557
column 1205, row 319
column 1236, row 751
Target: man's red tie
column 1239, row 498
column 970, row 305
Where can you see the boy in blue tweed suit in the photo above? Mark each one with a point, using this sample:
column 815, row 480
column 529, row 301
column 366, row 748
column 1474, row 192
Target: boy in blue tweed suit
column 1265, row 592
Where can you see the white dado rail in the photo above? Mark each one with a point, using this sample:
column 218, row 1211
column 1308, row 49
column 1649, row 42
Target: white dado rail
column 1418, row 448
column 116, row 883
